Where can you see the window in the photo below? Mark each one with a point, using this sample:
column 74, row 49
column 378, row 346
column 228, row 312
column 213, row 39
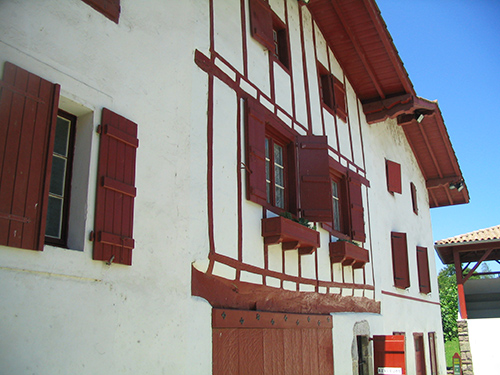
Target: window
column 56, row 229
column 109, row 8
column 286, row 171
column 34, row 204
column 347, row 204
column 393, row 173
column 424, row 280
column 413, row 191
column 400, row 260
column 332, row 92
column 275, row 173
column 269, row 30
column 336, row 205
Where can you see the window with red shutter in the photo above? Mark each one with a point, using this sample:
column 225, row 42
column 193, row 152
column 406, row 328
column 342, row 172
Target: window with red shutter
column 393, row 173
column 332, row 92
column 400, row 260
column 109, row 8
column 347, row 205
column 389, row 354
column 424, row 281
column 269, row 30
column 270, row 161
column 114, row 216
column 28, row 112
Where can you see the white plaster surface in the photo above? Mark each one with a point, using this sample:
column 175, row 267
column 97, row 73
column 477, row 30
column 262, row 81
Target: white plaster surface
column 483, row 334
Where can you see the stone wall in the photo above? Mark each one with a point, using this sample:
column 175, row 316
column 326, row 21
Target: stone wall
column 463, row 338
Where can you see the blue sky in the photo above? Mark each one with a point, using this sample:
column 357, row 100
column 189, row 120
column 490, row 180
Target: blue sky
column 451, row 50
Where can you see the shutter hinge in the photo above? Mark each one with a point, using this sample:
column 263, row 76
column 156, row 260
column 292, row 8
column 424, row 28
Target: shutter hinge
column 99, row 129
column 91, row 236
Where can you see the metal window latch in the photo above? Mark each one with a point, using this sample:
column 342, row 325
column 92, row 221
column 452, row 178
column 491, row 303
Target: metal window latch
column 110, row 260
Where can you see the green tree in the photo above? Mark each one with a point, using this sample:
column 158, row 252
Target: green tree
column 448, row 296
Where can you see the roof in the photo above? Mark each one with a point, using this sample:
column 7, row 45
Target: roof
column 471, row 246
column 481, row 235
column 360, row 40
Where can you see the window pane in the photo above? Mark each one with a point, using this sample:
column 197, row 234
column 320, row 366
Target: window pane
column 61, row 141
column 336, row 209
column 280, row 197
column 278, row 155
column 268, row 172
column 58, row 175
column 54, row 217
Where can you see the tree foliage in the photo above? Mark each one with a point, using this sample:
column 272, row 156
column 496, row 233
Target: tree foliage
column 448, row 296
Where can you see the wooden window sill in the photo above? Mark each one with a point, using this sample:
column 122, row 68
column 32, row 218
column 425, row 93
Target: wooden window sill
column 348, row 254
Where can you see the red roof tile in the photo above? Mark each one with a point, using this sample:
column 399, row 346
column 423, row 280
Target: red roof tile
column 481, row 235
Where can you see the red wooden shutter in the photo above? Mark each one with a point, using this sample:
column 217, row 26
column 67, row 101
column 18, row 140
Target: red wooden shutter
column 414, row 203
column 340, row 102
column 424, row 280
column 28, row 113
column 315, row 188
column 261, row 23
column 389, row 354
column 400, row 260
column 116, row 190
column 393, row 171
column 356, row 212
column 109, row 8
column 256, row 153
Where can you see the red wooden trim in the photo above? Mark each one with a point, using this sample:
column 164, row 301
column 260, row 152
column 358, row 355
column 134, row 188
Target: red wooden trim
column 227, row 318
column 283, row 276
column 115, row 240
column 119, row 135
column 234, row 294
column 409, row 297
column 21, row 219
column 118, row 186
column 305, row 74
column 109, row 8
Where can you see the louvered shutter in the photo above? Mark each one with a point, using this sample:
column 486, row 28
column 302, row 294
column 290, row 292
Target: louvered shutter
column 261, row 23
column 400, row 260
column 356, row 212
column 109, row 8
column 389, row 354
column 340, row 102
column 114, row 216
column 28, row 113
column 424, row 280
column 315, row 188
column 256, row 153
column 393, row 172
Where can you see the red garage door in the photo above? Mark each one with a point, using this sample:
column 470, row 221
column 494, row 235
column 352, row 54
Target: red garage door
column 253, row 342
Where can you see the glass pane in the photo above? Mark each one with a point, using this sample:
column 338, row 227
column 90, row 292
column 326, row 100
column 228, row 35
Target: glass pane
column 267, row 148
column 336, row 215
column 54, row 217
column 280, row 197
column 268, row 191
column 278, row 175
column 335, row 189
column 278, row 155
column 58, row 175
column 61, row 141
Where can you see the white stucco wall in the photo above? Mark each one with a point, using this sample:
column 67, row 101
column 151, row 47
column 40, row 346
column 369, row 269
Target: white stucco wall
column 62, row 312
column 482, row 337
